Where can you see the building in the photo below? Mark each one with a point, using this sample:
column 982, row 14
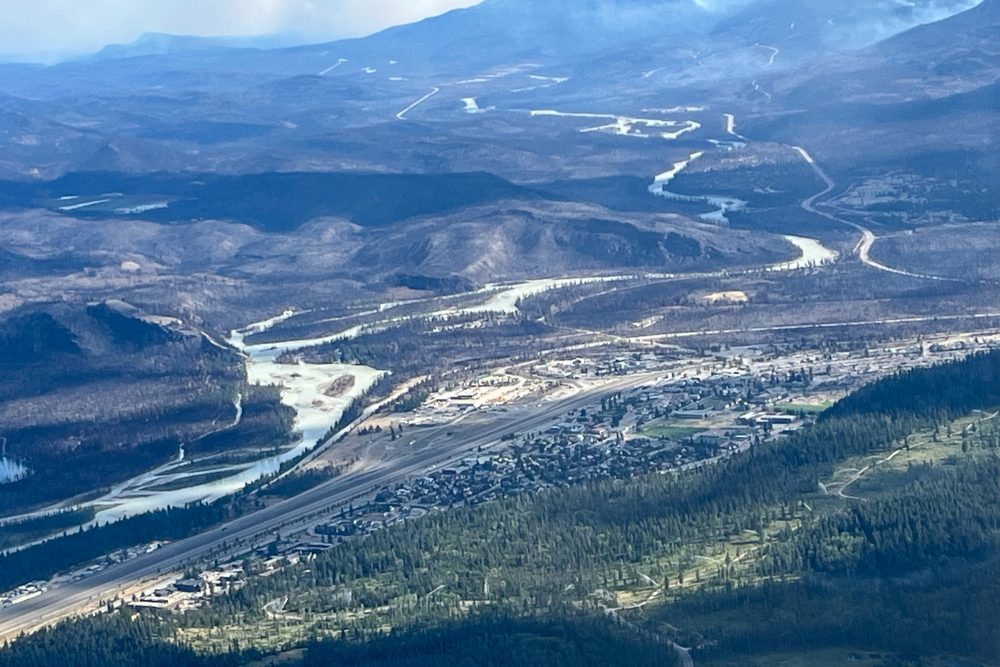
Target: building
column 188, row 586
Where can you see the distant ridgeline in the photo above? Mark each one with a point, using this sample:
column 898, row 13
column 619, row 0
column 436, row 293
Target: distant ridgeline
column 262, row 200
column 912, row 572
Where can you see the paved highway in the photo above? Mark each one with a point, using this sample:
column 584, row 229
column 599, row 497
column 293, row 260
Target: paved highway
column 432, row 448
column 864, row 246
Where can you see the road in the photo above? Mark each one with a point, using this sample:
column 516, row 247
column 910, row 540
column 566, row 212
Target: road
column 432, row 449
column 864, row 247
column 683, row 654
column 332, row 67
column 774, row 52
column 820, row 325
column 402, row 114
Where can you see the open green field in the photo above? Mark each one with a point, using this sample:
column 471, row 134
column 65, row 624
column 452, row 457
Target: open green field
column 803, row 408
column 670, row 431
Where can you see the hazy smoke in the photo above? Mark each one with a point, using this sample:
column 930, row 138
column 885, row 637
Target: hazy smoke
column 59, row 27
column 909, row 13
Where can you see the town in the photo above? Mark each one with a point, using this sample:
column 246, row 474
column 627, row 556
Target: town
column 687, row 411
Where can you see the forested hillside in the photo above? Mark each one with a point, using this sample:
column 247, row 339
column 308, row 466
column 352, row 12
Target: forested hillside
column 670, row 555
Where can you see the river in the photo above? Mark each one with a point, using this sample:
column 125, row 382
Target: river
column 304, row 387
column 723, row 205
column 11, row 470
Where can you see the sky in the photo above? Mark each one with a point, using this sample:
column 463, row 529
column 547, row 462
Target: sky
column 48, row 30
column 52, row 30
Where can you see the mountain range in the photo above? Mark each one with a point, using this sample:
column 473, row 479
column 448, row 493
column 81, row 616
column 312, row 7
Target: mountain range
column 407, row 129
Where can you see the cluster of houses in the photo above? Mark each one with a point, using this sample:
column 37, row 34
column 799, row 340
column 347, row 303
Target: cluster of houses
column 676, row 424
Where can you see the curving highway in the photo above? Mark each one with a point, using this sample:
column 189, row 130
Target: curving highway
column 868, row 238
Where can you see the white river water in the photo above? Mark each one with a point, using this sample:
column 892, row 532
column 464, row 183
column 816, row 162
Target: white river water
column 11, row 470
column 813, row 254
column 724, row 205
column 304, row 388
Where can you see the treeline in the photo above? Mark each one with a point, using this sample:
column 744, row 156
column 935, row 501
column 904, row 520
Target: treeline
column 37, row 528
column 297, row 482
column 950, row 514
column 44, row 560
column 265, row 423
column 414, row 397
column 431, row 346
column 499, row 640
column 943, row 392
column 109, row 640
column 356, row 408
column 953, row 612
